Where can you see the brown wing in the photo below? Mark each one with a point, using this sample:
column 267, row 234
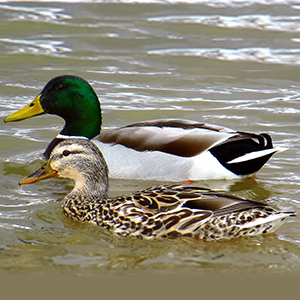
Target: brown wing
column 222, row 204
column 173, row 197
column 181, row 209
column 178, row 137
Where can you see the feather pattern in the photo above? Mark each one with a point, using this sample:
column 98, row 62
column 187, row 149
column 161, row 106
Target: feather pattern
column 174, row 136
column 157, row 212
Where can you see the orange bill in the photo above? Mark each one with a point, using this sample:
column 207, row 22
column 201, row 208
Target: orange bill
column 42, row 173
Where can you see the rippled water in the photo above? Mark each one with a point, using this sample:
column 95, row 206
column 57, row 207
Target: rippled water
column 232, row 63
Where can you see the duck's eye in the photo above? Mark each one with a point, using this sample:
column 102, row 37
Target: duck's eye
column 66, row 153
column 60, row 86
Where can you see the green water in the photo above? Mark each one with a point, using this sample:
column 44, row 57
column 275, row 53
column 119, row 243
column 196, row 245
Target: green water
column 236, row 66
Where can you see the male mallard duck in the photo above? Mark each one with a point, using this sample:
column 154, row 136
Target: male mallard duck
column 167, row 149
column 163, row 211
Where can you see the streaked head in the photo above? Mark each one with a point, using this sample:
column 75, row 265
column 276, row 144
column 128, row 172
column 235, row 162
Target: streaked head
column 78, row 159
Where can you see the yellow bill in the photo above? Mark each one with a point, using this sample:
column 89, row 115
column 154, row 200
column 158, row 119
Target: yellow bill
column 34, row 108
column 42, row 173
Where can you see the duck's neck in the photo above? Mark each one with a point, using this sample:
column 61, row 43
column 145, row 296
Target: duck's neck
column 82, row 197
column 85, row 121
column 85, row 124
column 91, row 183
column 82, row 114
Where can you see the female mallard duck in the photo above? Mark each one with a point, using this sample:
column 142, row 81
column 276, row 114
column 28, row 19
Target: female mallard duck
column 168, row 149
column 164, row 211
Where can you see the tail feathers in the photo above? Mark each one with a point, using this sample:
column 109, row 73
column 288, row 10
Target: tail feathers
column 255, row 155
column 270, row 223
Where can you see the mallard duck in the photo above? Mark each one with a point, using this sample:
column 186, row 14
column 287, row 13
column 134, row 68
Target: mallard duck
column 163, row 150
column 157, row 212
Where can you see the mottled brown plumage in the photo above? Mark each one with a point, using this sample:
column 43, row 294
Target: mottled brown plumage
column 162, row 211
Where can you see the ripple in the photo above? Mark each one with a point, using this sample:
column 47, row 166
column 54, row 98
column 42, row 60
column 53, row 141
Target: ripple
column 260, row 55
column 133, row 101
column 27, row 133
column 260, row 22
column 36, row 14
column 13, row 226
column 212, row 3
column 38, row 47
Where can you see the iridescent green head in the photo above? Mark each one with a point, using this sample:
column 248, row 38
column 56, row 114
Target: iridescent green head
column 71, row 98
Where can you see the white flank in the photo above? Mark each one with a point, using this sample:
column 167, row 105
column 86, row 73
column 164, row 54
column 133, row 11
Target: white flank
column 127, row 163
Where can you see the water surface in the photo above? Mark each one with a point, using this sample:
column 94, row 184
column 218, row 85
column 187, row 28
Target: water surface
column 232, row 63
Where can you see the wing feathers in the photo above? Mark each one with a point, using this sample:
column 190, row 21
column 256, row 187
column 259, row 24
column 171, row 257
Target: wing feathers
column 195, row 199
column 177, row 137
column 188, row 138
column 198, row 212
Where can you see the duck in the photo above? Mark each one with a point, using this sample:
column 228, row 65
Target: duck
column 163, row 150
column 173, row 210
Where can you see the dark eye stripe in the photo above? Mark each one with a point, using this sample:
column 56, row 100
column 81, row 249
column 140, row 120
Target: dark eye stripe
column 68, row 152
